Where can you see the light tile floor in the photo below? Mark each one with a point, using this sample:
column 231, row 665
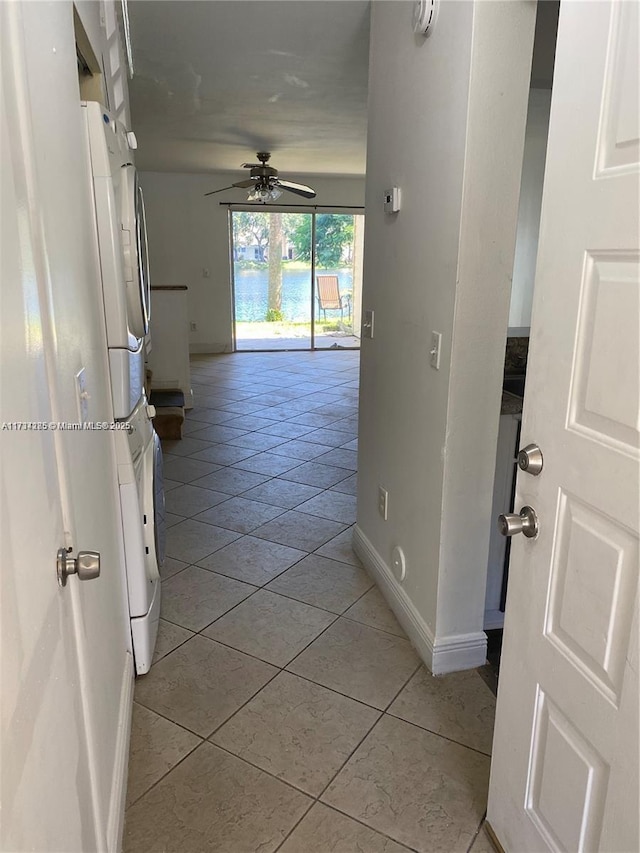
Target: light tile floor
column 286, row 709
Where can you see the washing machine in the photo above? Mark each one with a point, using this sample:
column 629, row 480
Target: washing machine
column 122, row 246
column 143, row 525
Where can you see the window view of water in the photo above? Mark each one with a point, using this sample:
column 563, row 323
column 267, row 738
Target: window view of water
column 252, row 286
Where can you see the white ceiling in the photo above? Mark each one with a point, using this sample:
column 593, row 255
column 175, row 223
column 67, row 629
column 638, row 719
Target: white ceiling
column 217, row 80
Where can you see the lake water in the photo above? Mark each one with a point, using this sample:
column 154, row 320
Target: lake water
column 252, row 293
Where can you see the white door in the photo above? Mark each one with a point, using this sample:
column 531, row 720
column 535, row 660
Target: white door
column 46, row 776
column 564, row 774
column 66, row 667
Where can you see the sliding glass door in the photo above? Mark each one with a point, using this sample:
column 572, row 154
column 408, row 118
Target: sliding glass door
column 338, row 280
column 296, row 279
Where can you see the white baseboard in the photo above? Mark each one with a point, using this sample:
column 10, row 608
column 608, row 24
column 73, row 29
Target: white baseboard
column 440, row 654
column 115, row 825
column 209, row 349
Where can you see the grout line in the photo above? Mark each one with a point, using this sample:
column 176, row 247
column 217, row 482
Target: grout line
column 166, row 654
column 157, row 782
column 375, row 627
column 164, row 717
column 261, row 769
column 250, row 699
column 295, row 825
column 439, row 734
column 266, row 583
column 351, row 754
column 175, row 574
column 365, row 825
column 332, row 689
column 477, row 832
column 389, row 704
column 298, row 600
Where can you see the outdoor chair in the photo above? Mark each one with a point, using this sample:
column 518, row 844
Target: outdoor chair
column 329, row 297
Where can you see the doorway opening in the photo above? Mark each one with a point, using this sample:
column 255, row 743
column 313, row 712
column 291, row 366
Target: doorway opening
column 296, row 279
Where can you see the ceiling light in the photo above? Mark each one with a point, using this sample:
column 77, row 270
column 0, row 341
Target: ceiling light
column 264, row 194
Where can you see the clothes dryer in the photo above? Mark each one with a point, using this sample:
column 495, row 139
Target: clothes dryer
column 122, row 246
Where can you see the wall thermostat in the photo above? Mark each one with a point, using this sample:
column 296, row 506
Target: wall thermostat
column 425, row 13
column 392, row 200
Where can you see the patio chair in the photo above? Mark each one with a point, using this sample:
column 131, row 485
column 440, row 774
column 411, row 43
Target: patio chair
column 330, row 298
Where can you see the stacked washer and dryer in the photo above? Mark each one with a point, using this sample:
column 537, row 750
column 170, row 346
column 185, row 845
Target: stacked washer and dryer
column 122, row 244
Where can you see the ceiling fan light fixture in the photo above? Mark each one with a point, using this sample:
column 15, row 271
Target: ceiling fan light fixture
column 264, row 194
column 264, row 185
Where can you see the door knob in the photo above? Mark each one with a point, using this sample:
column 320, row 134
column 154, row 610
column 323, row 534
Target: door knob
column 530, row 459
column 86, row 565
column 526, row 522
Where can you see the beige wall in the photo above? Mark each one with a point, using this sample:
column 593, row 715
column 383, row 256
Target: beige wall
column 189, row 233
column 446, row 124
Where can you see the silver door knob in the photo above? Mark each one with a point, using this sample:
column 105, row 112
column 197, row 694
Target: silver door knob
column 526, row 522
column 530, row 459
column 86, row 565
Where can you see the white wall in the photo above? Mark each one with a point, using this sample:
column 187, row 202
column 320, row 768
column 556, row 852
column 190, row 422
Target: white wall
column 189, row 233
column 446, row 124
column 524, row 265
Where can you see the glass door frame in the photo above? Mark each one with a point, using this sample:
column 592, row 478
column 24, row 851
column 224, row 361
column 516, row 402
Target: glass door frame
column 310, row 209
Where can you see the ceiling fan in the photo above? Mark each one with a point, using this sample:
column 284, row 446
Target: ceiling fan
column 264, row 184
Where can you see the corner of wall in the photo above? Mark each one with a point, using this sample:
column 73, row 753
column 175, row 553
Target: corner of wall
column 500, row 68
column 441, row 655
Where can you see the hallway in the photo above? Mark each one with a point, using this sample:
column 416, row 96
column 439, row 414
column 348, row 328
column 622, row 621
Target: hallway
column 286, row 710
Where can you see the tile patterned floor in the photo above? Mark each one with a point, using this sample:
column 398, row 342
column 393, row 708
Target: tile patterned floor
column 286, row 710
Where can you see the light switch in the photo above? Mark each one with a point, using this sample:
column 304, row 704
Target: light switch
column 383, row 502
column 434, row 352
column 367, row 326
column 82, row 396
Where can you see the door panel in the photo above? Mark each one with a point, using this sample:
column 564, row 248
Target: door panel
column 46, row 788
column 565, row 763
column 68, row 707
column 338, row 255
column 272, row 280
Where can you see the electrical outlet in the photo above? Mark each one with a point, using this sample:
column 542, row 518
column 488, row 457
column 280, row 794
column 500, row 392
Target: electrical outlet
column 434, row 352
column 383, row 502
column 193, row 327
column 206, row 273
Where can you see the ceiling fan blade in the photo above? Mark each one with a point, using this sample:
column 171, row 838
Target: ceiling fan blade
column 244, row 184
column 250, row 165
column 213, row 192
column 298, row 189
